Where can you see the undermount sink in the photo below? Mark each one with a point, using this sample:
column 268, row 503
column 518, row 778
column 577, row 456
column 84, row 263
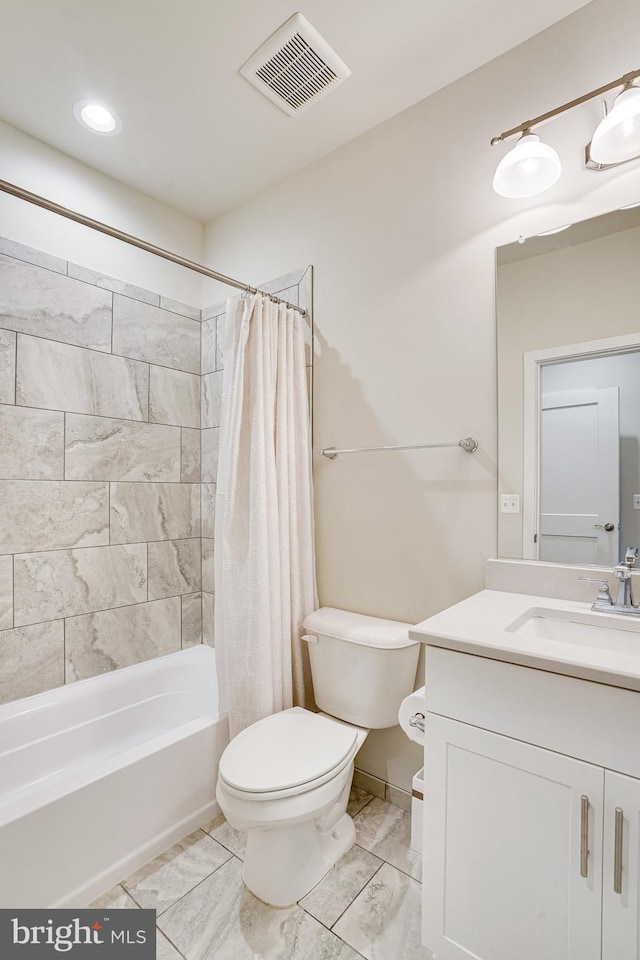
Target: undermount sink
column 616, row 633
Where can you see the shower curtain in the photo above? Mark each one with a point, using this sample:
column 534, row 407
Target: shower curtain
column 264, row 549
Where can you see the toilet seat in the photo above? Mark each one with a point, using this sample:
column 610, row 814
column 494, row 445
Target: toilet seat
column 286, row 754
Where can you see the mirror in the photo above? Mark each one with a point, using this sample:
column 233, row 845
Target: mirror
column 568, row 338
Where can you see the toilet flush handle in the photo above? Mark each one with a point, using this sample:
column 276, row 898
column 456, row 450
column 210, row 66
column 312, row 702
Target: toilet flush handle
column 310, row 638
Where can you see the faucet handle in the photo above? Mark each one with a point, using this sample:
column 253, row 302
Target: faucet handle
column 604, row 593
column 630, row 557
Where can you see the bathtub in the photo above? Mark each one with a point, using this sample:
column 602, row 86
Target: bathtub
column 100, row 776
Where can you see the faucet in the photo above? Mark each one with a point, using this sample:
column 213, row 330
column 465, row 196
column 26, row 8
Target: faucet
column 624, row 602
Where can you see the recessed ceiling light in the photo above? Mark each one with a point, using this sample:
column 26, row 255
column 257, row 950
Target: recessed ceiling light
column 97, row 118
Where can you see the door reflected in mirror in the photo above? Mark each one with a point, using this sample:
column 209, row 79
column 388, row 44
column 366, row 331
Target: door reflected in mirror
column 568, row 325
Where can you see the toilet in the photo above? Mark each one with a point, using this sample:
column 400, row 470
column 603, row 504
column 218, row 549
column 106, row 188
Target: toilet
column 285, row 780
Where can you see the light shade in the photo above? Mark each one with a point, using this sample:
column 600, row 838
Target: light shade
column 617, row 136
column 529, row 168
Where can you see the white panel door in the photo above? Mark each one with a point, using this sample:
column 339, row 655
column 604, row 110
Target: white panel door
column 621, row 880
column 579, row 476
column 502, row 849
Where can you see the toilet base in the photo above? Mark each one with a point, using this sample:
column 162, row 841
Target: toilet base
column 283, row 865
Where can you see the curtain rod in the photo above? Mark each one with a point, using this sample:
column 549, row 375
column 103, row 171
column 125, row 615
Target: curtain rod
column 39, row 201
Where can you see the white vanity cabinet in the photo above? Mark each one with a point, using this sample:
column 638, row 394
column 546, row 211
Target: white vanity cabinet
column 531, row 840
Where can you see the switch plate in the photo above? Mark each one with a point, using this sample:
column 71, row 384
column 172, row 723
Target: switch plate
column 636, row 501
column 510, row 503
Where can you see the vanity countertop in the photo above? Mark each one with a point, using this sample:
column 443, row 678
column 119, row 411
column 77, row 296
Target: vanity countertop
column 506, row 626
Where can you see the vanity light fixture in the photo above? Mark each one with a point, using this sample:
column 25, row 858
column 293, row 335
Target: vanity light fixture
column 97, row 118
column 532, row 166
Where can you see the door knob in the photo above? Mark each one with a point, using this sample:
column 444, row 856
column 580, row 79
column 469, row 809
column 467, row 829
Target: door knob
column 605, row 526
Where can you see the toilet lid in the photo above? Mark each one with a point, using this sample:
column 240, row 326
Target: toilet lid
column 286, row 750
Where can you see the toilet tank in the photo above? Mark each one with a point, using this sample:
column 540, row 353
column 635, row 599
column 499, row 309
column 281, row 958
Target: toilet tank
column 362, row 667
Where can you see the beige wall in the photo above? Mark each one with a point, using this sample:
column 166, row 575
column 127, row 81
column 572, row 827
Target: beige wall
column 585, row 292
column 33, row 165
column 401, row 226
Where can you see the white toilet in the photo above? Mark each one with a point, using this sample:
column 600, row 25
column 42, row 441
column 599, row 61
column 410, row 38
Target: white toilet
column 285, row 780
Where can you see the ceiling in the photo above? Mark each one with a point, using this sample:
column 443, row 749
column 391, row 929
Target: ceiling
column 197, row 136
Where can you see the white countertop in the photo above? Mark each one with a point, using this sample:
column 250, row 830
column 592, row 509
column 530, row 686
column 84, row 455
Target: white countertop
column 479, row 626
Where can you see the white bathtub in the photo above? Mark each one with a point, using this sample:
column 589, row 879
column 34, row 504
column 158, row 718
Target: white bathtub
column 98, row 777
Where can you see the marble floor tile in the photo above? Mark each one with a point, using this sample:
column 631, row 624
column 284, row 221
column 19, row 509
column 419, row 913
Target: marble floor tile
column 221, row 920
column 357, row 800
column 384, row 922
column 175, row 872
column 164, row 949
column 365, row 781
column 385, row 830
column 335, row 892
column 233, row 840
column 115, row 899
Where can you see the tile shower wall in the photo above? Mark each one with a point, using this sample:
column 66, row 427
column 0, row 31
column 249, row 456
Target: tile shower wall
column 101, row 562
column 296, row 287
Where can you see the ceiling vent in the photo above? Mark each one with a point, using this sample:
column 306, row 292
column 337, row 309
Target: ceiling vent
column 295, row 67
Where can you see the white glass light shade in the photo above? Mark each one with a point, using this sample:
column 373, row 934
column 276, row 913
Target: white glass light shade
column 529, row 168
column 617, row 136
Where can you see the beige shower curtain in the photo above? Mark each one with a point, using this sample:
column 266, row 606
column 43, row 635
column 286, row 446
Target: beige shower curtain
column 264, row 549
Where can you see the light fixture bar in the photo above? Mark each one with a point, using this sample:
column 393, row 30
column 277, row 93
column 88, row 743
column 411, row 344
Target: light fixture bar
column 621, row 81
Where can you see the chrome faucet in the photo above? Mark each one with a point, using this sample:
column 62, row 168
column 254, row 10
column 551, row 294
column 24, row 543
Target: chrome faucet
column 624, row 602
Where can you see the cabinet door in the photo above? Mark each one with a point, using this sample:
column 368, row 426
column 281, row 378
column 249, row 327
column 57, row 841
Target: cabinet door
column 620, row 880
column 506, row 830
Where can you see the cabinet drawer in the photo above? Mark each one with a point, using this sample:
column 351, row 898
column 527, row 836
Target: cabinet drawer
column 579, row 718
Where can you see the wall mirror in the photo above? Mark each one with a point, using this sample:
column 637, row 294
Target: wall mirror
column 568, row 336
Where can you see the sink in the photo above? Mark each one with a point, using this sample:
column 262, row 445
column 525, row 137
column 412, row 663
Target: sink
column 595, row 630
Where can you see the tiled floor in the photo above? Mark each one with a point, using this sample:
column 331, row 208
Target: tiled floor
column 367, row 906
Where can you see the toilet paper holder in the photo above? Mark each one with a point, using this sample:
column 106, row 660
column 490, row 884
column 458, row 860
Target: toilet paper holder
column 417, row 720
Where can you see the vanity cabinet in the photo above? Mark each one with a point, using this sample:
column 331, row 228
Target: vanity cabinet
column 531, row 845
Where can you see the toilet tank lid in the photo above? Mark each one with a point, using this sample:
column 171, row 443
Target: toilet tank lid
column 358, row 628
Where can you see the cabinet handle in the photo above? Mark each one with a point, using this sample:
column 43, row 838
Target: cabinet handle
column 617, row 852
column 584, row 834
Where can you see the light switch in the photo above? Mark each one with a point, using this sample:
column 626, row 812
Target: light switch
column 636, row 501
column 510, row 503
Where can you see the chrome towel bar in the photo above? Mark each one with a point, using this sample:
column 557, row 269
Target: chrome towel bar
column 468, row 444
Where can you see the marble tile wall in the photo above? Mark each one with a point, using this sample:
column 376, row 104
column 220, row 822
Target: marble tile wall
column 109, row 434
column 100, row 481
column 296, row 287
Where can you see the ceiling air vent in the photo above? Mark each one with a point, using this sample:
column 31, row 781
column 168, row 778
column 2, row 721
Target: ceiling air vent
column 295, row 67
